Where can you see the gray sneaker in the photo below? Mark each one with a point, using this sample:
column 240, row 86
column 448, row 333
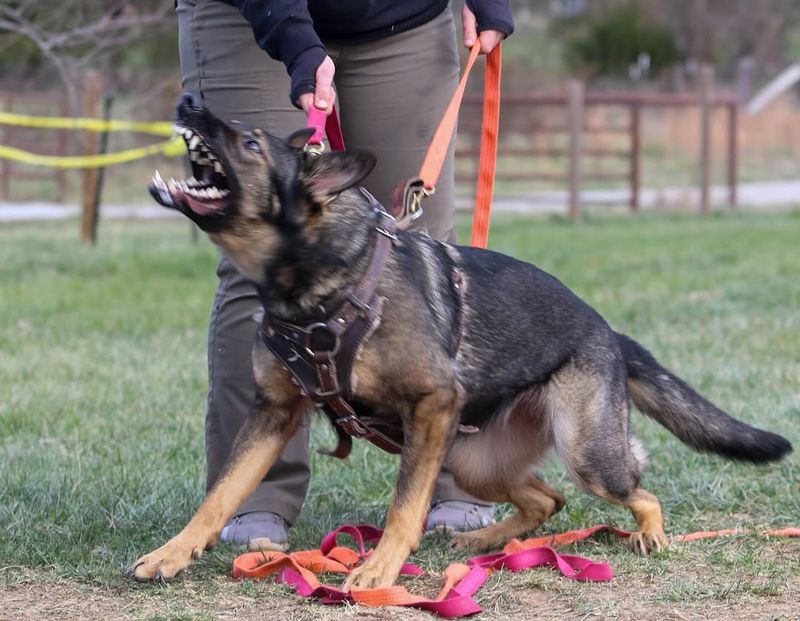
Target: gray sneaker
column 457, row 516
column 259, row 530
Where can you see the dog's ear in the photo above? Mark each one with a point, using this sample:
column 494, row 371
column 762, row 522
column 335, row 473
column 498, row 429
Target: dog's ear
column 328, row 174
column 298, row 139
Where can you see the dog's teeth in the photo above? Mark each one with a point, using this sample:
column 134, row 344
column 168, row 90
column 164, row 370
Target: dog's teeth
column 214, row 193
column 194, row 142
column 203, row 161
column 191, row 181
column 218, row 167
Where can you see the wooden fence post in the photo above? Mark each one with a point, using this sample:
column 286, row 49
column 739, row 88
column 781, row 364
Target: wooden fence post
column 706, row 108
column 576, row 108
column 636, row 154
column 5, row 164
column 733, row 155
column 108, row 101
column 91, row 176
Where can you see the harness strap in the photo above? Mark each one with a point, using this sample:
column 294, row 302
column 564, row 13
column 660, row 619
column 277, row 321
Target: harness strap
column 320, row 352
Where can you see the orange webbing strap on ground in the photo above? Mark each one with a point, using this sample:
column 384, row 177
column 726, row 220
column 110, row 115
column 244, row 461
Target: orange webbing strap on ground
column 461, row 581
column 455, row 599
column 572, row 536
column 488, row 161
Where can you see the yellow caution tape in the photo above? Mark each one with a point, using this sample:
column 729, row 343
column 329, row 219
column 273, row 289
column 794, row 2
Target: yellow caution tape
column 157, row 128
column 173, row 147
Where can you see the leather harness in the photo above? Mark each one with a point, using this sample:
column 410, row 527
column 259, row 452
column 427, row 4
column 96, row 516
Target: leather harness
column 319, row 350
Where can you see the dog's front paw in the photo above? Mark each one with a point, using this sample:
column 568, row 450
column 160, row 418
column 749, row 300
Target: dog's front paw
column 377, row 572
column 165, row 563
column 645, row 542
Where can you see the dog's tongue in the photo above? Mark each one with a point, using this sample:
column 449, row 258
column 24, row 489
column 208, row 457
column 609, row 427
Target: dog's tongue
column 201, row 206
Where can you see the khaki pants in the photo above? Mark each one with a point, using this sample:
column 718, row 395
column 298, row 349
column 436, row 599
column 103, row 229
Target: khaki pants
column 391, row 95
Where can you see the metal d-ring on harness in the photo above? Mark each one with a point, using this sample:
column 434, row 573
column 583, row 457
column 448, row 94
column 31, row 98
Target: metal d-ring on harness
column 319, row 350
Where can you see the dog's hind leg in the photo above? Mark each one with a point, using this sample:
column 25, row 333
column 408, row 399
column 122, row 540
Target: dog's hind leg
column 535, row 500
column 432, row 429
column 589, row 418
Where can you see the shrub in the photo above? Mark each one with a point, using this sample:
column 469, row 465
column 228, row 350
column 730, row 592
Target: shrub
column 614, row 40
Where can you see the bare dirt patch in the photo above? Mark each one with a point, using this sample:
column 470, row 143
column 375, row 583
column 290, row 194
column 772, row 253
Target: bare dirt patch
column 690, row 594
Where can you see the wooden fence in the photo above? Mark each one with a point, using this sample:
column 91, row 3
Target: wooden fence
column 568, row 116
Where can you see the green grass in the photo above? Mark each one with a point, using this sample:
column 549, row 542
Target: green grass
column 102, row 392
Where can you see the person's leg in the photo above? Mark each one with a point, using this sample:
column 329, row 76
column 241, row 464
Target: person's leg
column 221, row 63
column 393, row 94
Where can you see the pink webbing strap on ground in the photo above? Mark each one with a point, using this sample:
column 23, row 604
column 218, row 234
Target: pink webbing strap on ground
column 461, row 581
column 324, row 124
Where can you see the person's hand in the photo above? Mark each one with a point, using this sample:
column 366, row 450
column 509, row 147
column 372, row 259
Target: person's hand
column 488, row 38
column 324, row 97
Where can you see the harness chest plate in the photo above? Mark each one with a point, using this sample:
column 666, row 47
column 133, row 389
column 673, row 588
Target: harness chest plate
column 319, row 351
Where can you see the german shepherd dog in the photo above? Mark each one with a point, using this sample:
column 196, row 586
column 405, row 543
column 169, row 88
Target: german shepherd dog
column 506, row 348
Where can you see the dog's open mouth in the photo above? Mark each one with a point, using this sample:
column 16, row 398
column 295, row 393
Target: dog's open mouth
column 206, row 191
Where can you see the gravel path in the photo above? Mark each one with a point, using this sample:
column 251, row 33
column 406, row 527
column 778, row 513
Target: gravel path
column 760, row 195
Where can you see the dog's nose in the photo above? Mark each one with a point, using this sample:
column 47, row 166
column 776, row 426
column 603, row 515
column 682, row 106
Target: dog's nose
column 191, row 101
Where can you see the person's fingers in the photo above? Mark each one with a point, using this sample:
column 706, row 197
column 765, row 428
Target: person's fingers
column 324, row 95
column 490, row 39
column 306, row 100
column 470, row 27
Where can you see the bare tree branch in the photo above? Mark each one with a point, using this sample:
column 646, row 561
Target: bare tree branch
column 73, row 35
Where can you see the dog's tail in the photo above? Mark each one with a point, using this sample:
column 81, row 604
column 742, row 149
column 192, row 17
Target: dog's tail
column 694, row 420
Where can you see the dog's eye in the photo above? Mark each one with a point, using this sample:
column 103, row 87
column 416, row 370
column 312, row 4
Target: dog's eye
column 252, row 145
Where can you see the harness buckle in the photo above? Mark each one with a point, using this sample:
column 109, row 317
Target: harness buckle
column 388, row 229
column 309, row 333
column 386, row 233
column 353, row 426
column 362, row 306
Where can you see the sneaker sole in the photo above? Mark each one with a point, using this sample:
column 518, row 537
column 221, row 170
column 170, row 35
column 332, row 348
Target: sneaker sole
column 265, row 544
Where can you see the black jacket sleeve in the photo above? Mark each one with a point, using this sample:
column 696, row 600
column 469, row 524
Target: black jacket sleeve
column 284, row 29
column 493, row 15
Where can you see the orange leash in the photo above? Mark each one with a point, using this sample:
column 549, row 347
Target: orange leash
column 425, row 184
column 488, row 161
column 461, row 581
column 437, row 151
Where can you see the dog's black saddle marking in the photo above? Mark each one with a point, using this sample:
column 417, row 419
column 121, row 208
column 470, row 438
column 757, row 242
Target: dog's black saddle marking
column 319, row 351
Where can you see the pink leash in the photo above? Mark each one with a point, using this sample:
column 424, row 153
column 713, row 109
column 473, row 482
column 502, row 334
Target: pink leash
column 454, row 600
column 324, row 124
